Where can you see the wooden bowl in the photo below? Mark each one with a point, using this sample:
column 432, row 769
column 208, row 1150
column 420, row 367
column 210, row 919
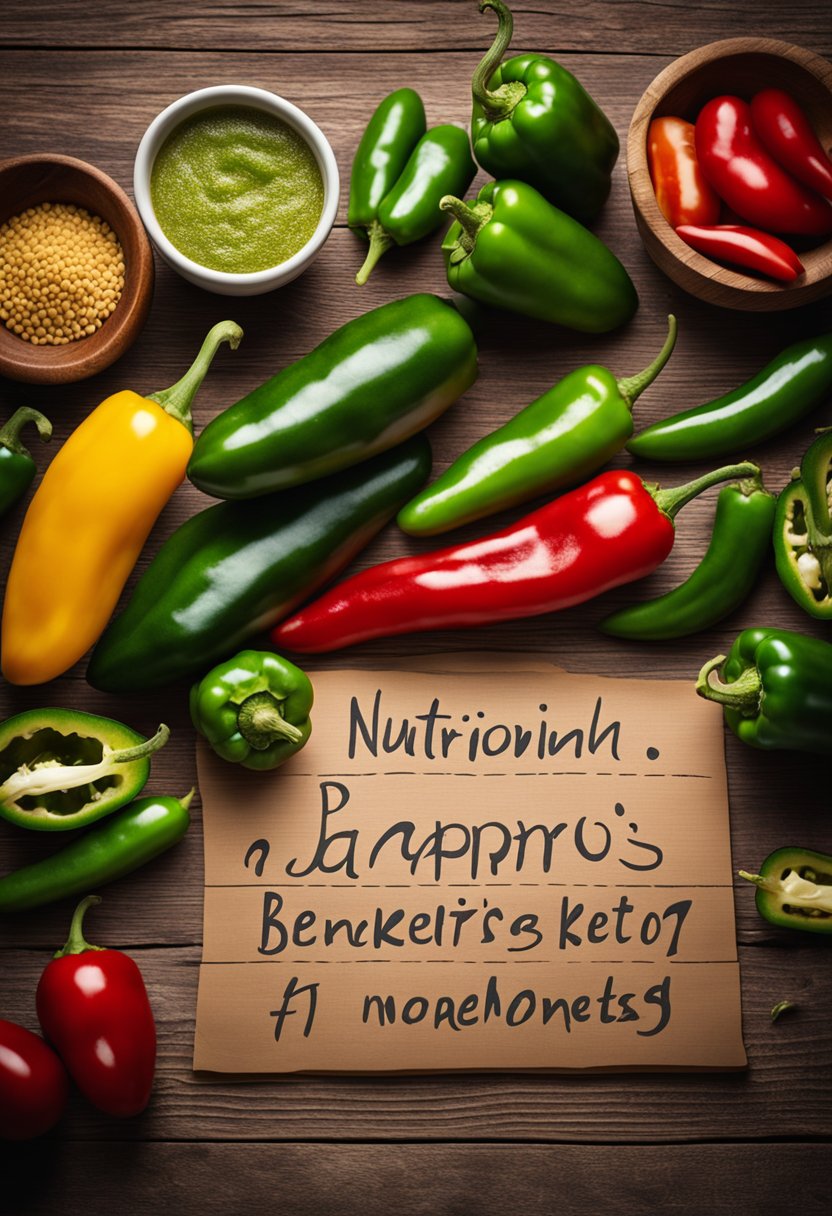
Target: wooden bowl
column 740, row 66
column 28, row 180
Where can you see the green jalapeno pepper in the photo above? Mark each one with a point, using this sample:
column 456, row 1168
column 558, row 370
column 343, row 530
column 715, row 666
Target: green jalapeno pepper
column 532, row 120
column 17, row 468
column 794, row 889
column 367, row 387
column 254, row 709
column 62, row 769
column 803, row 531
column 123, row 843
column 514, row 250
column 392, row 133
column 239, row 567
column 557, row 441
column 776, row 687
column 721, row 581
column 786, row 389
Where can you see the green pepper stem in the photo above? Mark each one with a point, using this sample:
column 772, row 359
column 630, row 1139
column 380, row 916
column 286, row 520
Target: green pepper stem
column 188, row 799
column 380, row 242
column 742, row 694
column 470, row 219
column 10, row 431
column 261, row 722
column 177, row 399
column 146, row 748
column 497, row 103
column 671, row 501
column 631, row 387
column 75, row 943
column 765, row 884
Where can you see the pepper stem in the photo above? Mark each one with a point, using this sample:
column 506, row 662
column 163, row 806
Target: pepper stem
column 177, row 399
column 380, row 242
column 497, row 103
column 765, row 884
column 261, row 722
column 10, row 431
column 470, row 219
column 146, row 748
column 188, row 799
column 75, row 943
column 672, row 500
column 742, row 694
column 631, row 387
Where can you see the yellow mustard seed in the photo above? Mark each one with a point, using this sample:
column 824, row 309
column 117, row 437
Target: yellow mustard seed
column 60, row 254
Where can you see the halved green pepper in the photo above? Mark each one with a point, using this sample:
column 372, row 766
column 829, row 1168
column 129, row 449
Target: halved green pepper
column 17, row 468
column 794, row 889
column 803, row 531
column 62, row 769
column 254, row 709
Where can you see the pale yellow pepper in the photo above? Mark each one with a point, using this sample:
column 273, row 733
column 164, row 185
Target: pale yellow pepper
column 90, row 517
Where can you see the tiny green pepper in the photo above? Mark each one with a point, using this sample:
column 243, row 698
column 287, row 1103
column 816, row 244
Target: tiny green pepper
column 17, row 468
column 794, row 889
column 62, row 769
column 254, row 709
column 392, row 133
column 803, row 531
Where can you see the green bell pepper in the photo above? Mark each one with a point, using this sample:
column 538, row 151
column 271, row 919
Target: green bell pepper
column 62, row 769
column 532, row 120
column 17, row 468
column 794, row 889
column 371, row 384
column 514, row 250
column 776, row 688
column 803, row 531
column 254, row 709
column 239, row 567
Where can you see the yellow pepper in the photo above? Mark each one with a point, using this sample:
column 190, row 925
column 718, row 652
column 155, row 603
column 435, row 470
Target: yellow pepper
column 91, row 515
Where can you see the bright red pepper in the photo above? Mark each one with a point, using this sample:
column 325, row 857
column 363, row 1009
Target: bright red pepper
column 33, row 1084
column 610, row 531
column 92, row 1005
column 683, row 194
column 748, row 179
column 742, row 246
column 787, row 134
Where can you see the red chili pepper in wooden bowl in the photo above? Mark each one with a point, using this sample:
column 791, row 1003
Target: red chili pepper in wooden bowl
column 92, row 1005
column 785, row 132
column 742, row 246
column 610, row 531
column 683, row 194
column 746, row 178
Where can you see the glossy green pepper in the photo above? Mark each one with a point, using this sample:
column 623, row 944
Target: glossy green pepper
column 559, row 440
column 392, row 133
column 794, row 889
column 254, row 709
column 62, row 769
column 532, row 120
column 17, row 468
column 371, row 384
column 803, row 531
column 239, row 567
column 776, row 687
column 514, row 250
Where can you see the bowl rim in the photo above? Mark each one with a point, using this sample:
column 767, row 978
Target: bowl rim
column 263, row 99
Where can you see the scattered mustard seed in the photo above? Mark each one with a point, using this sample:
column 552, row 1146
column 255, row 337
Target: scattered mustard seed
column 61, row 273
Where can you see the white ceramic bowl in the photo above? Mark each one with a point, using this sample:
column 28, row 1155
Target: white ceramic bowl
column 260, row 281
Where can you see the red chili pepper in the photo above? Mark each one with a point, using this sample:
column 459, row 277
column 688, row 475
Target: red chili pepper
column 93, row 1006
column 33, row 1084
column 744, row 247
column 748, row 179
column 683, row 194
column 610, row 531
column 787, row 134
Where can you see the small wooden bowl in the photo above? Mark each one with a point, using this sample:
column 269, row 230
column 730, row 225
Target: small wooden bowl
column 739, row 66
column 26, row 181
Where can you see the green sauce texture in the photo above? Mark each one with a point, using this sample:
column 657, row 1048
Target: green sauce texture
column 236, row 189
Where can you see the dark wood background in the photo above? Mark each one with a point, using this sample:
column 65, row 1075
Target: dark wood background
column 87, row 79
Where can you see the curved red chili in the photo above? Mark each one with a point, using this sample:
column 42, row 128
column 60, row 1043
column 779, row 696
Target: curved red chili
column 610, row 531
column 741, row 246
column 748, row 179
column 787, row 134
column 683, row 194
column 33, row 1084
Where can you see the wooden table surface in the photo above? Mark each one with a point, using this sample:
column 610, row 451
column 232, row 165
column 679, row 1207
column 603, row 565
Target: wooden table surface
column 86, row 80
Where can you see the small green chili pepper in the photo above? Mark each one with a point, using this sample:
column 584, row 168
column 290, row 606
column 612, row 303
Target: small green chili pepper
column 391, row 135
column 776, row 687
column 794, row 890
column 123, row 843
column 512, row 249
column 721, row 581
column 786, row 389
column 803, row 531
column 557, row 441
column 62, row 769
column 254, row 709
column 17, row 468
